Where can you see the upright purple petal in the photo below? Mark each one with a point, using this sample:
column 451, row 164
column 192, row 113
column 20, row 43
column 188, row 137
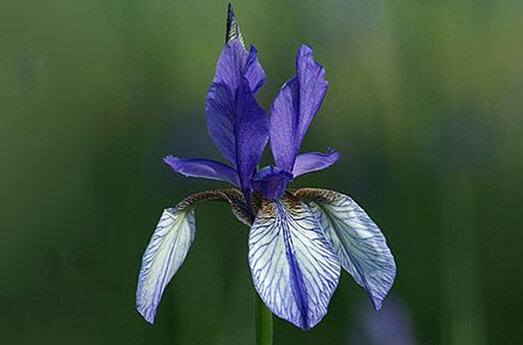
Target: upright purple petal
column 252, row 134
column 271, row 182
column 235, row 63
column 294, row 268
column 314, row 161
column 254, row 72
column 221, row 120
column 295, row 107
column 237, row 124
column 203, row 168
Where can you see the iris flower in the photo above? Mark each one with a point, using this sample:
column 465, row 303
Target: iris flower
column 299, row 239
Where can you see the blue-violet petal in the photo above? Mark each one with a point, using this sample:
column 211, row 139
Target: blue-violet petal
column 237, row 124
column 271, row 182
column 235, row 63
column 203, row 168
column 252, row 134
column 295, row 107
column 314, row 161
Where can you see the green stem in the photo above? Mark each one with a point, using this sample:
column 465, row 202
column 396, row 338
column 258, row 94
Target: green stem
column 263, row 317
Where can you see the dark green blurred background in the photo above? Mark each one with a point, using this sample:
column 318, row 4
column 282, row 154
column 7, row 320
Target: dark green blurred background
column 425, row 104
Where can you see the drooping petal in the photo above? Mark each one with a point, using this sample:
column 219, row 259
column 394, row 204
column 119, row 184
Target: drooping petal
column 170, row 244
column 163, row 257
column 314, row 161
column 294, row 269
column 203, row 168
column 295, row 107
column 360, row 245
column 271, row 182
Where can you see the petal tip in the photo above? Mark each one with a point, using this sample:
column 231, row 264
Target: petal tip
column 377, row 303
column 147, row 315
column 169, row 160
column 305, row 50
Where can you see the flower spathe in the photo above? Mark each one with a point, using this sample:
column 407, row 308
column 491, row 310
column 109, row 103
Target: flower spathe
column 299, row 239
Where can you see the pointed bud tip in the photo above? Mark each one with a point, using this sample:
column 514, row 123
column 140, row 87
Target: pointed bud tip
column 232, row 27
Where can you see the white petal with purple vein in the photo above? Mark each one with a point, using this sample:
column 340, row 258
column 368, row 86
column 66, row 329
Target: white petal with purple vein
column 359, row 244
column 163, row 257
column 294, row 269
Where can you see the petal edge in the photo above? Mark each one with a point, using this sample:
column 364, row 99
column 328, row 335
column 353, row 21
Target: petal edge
column 164, row 255
column 359, row 243
column 203, row 168
column 314, row 161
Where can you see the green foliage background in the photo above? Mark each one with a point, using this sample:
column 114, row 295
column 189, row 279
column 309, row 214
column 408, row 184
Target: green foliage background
column 425, row 104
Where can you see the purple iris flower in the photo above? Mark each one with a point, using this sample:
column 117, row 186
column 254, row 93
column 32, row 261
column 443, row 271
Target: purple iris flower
column 299, row 239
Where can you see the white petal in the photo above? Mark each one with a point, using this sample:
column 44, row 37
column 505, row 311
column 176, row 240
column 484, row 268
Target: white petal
column 163, row 257
column 294, row 269
column 358, row 242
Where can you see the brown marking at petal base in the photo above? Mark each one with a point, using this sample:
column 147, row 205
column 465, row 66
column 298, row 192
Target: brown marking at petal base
column 256, row 202
column 291, row 201
column 266, row 210
column 231, row 196
column 318, row 194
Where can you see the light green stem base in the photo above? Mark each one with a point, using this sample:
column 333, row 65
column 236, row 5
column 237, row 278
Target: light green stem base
column 263, row 317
